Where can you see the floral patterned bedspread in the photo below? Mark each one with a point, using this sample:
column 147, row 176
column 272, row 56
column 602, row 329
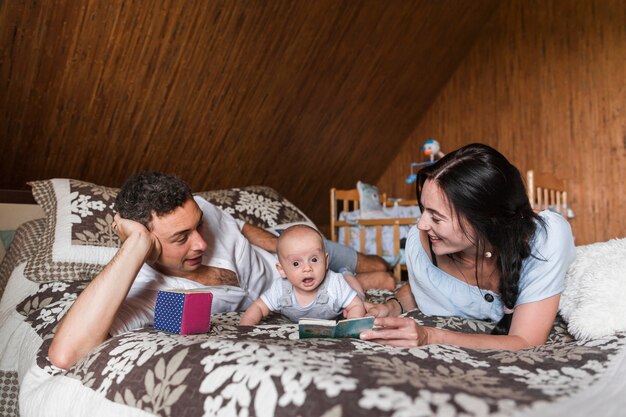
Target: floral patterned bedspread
column 266, row 370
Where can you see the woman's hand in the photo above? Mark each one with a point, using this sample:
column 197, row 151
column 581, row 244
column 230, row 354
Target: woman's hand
column 398, row 332
column 126, row 228
column 376, row 310
column 388, row 309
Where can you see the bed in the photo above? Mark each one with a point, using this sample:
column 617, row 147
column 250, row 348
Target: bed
column 266, row 370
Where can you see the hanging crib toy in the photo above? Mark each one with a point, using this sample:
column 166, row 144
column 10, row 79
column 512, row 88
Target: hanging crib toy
column 430, row 148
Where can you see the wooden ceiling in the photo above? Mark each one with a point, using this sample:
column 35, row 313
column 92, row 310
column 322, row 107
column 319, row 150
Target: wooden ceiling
column 297, row 95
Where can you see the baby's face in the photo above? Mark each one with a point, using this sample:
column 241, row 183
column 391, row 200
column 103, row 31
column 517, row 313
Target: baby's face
column 302, row 260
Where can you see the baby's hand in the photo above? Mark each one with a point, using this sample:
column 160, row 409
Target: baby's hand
column 254, row 314
column 355, row 309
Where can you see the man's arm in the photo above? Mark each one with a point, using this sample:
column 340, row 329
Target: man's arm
column 88, row 321
column 259, row 237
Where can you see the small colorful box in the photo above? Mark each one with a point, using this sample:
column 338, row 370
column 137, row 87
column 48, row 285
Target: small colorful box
column 183, row 311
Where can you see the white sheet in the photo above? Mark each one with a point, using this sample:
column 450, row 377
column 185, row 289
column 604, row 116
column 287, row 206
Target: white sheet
column 39, row 388
column 605, row 398
column 19, row 344
column 18, row 341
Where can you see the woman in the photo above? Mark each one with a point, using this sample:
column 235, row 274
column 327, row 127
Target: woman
column 480, row 252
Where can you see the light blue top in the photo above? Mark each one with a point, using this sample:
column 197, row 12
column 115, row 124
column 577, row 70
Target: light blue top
column 439, row 294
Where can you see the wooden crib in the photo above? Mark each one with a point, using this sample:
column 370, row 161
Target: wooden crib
column 348, row 200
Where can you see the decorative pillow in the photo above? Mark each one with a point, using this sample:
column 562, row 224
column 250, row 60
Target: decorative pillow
column 24, row 245
column 369, row 199
column 593, row 301
column 78, row 240
column 279, row 228
column 258, row 205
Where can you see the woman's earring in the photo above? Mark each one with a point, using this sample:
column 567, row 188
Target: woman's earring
column 488, row 254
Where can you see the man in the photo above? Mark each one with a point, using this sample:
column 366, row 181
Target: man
column 171, row 239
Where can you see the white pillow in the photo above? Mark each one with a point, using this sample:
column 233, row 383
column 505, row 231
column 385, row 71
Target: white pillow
column 594, row 299
column 369, row 199
column 279, row 228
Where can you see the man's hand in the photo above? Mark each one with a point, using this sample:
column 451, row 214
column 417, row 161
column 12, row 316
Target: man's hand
column 126, row 228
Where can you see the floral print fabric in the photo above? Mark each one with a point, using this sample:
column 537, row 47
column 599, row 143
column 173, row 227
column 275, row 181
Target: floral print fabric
column 78, row 238
column 266, row 370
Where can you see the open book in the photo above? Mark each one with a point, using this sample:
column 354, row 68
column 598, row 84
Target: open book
column 312, row 328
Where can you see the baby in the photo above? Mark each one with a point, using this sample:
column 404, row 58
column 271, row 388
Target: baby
column 309, row 289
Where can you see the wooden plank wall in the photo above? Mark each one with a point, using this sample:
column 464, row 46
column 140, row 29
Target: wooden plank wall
column 544, row 84
column 296, row 95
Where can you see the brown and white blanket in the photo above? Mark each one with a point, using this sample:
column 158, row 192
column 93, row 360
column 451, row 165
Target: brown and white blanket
column 266, row 370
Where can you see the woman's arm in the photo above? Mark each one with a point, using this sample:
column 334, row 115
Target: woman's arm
column 405, row 302
column 530, row 327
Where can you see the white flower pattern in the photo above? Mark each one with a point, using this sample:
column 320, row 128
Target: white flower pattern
column 237, row 367
column 260, row 206
column 265, row 370
column 82, row 206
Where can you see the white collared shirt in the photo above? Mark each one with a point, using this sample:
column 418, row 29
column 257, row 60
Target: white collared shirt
column 227, row 248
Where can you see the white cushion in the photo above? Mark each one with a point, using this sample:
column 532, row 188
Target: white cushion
column 369, row 198
column 594, row 299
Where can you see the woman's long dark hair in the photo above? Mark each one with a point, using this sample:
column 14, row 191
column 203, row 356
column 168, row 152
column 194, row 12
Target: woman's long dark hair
column 486, row 190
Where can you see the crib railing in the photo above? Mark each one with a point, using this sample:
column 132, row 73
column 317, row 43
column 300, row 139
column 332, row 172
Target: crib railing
column 348, row 200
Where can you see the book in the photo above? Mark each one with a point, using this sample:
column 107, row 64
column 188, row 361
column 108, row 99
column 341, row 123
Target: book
column 183, row 311
column 314, row 328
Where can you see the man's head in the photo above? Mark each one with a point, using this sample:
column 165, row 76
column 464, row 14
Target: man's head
column 301, row 257
column 148, row 194
column 164, row 204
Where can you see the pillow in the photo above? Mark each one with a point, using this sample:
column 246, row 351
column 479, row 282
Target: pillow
column 280, row 228
column 258, row 205
column 23, row 246
column 369, row 200
column 78, row 240
column 593, row 301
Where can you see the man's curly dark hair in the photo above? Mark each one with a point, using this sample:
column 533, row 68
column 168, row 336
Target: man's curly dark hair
column 151, row 193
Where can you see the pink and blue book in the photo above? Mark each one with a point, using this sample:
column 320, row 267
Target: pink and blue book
column 183, row 311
